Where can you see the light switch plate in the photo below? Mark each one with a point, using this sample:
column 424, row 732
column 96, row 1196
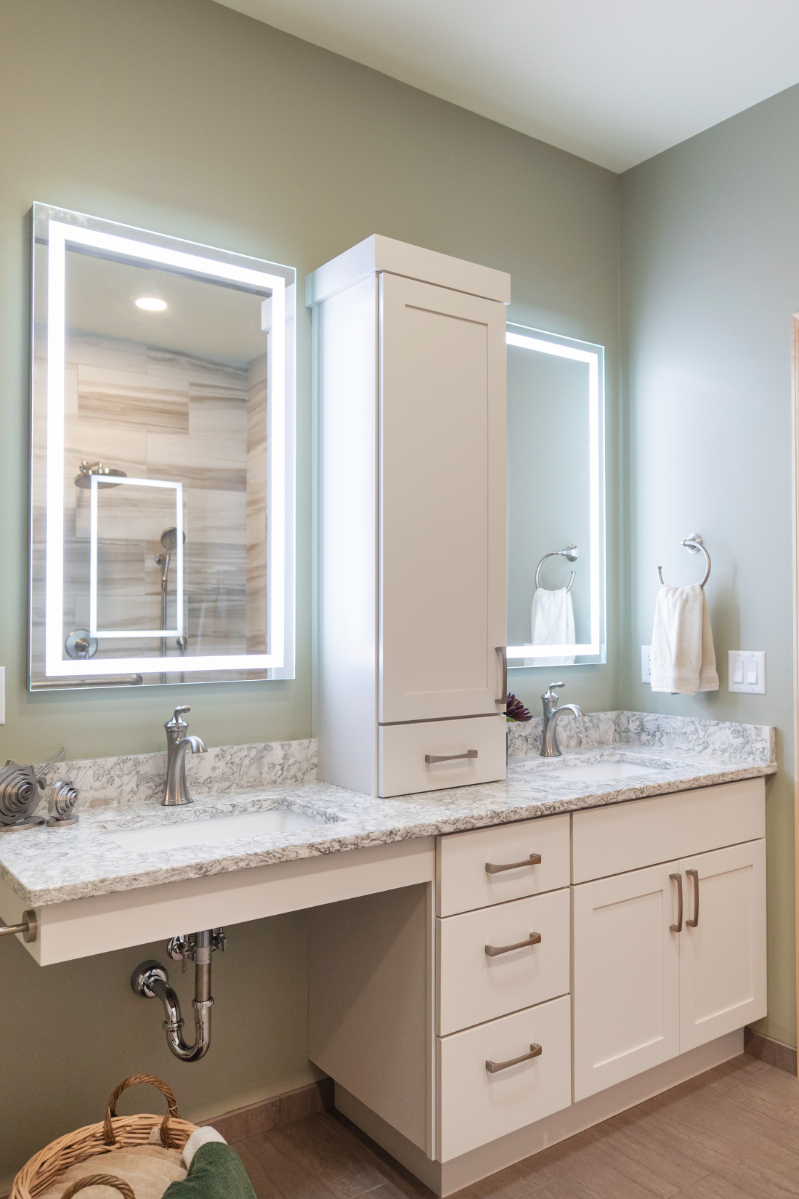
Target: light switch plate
column 749, row 667
column 646, row 670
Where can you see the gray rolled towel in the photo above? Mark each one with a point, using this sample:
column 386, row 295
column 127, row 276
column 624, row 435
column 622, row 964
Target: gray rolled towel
column 215, row 1170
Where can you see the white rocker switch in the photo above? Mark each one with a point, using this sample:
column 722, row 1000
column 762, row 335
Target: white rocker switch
column 747, row 671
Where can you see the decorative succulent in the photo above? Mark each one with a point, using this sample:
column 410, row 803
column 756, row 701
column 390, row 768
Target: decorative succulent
column 516, row 710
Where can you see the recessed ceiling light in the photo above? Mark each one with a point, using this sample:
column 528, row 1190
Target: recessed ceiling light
column 150, row 304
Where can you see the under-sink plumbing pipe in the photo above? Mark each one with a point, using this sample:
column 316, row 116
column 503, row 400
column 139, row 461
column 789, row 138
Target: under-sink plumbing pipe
column 151, row 980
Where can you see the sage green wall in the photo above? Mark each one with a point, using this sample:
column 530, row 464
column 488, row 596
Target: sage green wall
column 710, row 269
column 183, row 116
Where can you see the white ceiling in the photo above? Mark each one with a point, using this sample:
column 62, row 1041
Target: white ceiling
column 614, row 81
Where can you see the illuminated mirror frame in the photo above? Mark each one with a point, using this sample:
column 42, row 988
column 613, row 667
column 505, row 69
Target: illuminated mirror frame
column 541, row 342
column 60, row 228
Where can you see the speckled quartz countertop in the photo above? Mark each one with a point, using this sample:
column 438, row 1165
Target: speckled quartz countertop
column 662, row 754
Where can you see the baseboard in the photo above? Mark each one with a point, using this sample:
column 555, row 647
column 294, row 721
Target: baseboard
column 443, row 1178
column 766, row 1049
column 259, row 1117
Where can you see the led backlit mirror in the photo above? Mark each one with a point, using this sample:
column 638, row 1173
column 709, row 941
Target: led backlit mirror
column 556, row 508
column 162, row 505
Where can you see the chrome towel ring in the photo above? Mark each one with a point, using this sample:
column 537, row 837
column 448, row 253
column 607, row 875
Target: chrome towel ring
column 570, row 554
column 694, row 545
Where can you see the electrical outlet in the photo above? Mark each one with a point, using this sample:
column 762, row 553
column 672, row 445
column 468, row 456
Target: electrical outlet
column 747, row 671
column 646, row 668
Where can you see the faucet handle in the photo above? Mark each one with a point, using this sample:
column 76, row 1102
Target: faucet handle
column 176, row 724
column 550, row 694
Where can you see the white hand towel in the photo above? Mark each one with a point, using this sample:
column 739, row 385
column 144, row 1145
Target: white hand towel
column 552, row 624
column 683, row 660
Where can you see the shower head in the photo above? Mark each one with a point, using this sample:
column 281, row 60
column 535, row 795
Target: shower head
column 87, row 469
column 169, row 539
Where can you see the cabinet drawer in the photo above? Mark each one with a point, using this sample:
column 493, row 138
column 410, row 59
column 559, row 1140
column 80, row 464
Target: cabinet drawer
column 464, row 883
column 628, row 836
column 404, row 749
column 477, row 1106
column 475, row 986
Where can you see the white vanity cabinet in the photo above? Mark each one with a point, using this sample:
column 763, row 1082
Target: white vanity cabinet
column 428, row 1046
column 673, row 955
column 409, row 361
column 546, row 979
column 502, row 981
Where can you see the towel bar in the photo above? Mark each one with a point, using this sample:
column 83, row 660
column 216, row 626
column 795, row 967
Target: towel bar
column 694, row 545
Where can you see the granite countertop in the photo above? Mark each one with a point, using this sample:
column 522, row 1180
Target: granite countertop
column 49, row 866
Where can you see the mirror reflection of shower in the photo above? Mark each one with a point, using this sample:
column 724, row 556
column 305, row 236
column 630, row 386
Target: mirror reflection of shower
column 86, row 469
column 169, row 540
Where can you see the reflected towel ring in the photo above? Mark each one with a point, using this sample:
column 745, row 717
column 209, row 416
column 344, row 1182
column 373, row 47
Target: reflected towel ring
column 693, row 545
column 570, row 554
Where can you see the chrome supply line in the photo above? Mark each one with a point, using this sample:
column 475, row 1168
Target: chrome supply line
column 151, row 981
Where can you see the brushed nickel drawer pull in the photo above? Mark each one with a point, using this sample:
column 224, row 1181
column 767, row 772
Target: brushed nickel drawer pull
column 677, row 928
column 535, row 1051
column 694, row 874
column 533, row 860
column 493, row 950
column 503, row 657
column 430, row 758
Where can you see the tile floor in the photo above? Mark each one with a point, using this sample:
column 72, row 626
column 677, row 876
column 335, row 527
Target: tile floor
column 732, row 1133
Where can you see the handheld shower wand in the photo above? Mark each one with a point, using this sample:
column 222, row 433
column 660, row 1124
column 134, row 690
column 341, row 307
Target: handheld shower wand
column 169, row 540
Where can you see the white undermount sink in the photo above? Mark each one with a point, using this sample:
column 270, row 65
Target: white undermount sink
column 600, row 772
column 218, row 830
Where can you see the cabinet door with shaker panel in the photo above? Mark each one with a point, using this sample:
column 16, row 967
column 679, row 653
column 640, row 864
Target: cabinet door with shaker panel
column 411, row 436
column 442, row 501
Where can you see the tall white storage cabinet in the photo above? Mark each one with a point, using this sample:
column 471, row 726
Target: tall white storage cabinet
column 409, row 362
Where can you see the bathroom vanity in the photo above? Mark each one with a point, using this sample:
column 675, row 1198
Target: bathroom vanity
column 565, row 956
column 498, row 959
column 492, row 967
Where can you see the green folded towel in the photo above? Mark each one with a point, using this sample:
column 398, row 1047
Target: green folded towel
column 215, row 1172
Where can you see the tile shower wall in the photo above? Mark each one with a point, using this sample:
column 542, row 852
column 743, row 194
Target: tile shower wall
column 165, row 415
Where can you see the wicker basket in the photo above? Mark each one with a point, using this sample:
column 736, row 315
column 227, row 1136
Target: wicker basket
column 115, row 1132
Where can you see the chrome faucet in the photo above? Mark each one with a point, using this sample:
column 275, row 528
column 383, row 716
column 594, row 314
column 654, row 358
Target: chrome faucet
column 176, row 788
column 549, row 743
